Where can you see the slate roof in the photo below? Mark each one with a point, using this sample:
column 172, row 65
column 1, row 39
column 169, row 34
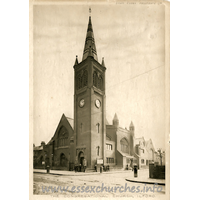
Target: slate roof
column 38, row 148
column 71, row 122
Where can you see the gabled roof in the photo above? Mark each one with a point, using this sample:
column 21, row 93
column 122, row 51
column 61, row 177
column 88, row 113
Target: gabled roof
column 149, row 145
column 126, row 155
column 63, row 118
column 71, row 122
column 140, row 139
column 123, row 129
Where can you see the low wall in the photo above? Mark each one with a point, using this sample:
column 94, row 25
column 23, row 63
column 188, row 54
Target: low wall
column 156, row 171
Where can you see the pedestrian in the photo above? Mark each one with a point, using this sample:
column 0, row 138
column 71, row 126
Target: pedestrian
column 95, row 167
column 84, row 164
column 76, row 165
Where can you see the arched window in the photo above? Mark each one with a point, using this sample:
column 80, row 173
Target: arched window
column 124, row 145
column 62, row 136
column 100, row 82
column 85, row 78
column 82, row 79
column 98, row 127
column 97, row 148
column 78, row 82
column 81, row 128
column 95, row 77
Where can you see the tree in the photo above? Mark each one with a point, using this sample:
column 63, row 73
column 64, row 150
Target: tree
column 160, row 154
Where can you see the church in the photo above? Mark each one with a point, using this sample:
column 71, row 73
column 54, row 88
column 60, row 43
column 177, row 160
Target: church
column 89, row 138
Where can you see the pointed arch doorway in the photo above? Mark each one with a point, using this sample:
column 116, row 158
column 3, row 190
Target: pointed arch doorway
column 81, row 158
column 64, row 164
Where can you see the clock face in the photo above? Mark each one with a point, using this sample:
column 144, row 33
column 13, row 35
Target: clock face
column 97, row 103
column 82, row 103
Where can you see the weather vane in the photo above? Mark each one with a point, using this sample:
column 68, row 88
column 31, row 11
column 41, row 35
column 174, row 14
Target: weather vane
column 90, row 11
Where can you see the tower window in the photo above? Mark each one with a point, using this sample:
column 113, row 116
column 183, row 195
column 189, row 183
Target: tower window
column 101, row 83
column 79, row 82
column 98, row 83
column 85, row 78
column 98, row 150
column 98, row 126
column 98, row 80
column 95, row 79
column 82, row 80
column 81, row 127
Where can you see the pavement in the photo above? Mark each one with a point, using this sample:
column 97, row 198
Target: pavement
column 73, row 173
column 143, row 175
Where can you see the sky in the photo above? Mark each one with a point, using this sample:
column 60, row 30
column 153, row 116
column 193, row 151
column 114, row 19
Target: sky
column 131, row 38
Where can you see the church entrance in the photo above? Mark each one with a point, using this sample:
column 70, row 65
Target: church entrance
column 81, row 161
column 63, row 161
column 81, row 158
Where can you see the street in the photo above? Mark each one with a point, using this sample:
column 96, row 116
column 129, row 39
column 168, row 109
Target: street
column 94, row 185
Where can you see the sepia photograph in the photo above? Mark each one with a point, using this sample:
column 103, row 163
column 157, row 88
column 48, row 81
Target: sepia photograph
column 99, row 99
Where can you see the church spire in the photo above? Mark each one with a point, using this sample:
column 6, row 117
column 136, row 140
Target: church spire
column 90, row 48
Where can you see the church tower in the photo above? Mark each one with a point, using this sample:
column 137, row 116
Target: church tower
column 89, row 104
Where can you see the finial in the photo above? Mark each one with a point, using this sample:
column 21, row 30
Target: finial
column 76, row 61
column 103, row 64
column 115, row 117
column 131, row 124
column 115, row 120
column 90, row 11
